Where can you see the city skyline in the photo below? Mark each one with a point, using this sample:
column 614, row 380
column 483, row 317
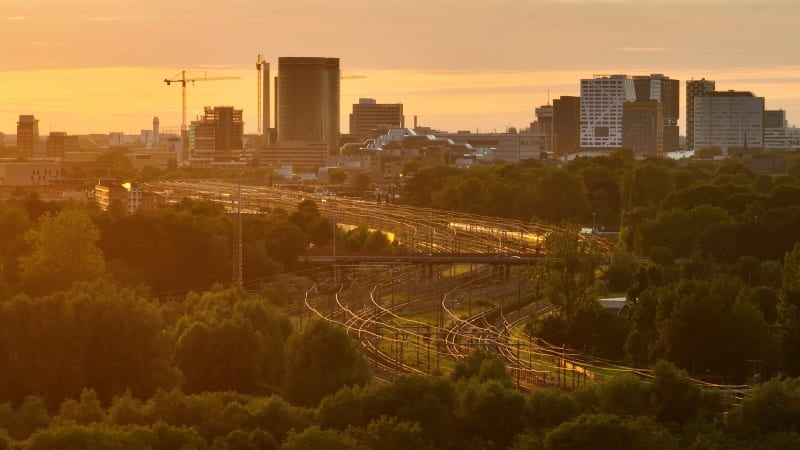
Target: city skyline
column 93, row 100
column 91, row 66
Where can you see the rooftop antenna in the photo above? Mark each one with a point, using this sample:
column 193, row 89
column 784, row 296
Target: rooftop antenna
column 548, row 97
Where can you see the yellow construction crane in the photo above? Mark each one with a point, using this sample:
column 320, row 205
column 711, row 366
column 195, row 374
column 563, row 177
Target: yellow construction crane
column 184, row 77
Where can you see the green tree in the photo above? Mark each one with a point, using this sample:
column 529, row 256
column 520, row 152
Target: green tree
column 429, row 401
column 343, row 409
column 176, row 247
column 320, row 360
column 14, row 222
column 482, row 365
column 647, row 185
column 389, row 433
column 229, row 341
column 624, row 396
column 603, row 193
column 548, row 408
column 275, row 416
column 285, row 241
column 562, row 197
column 793, row 167
column 63, row 250
column 789, row 310
column 674, row 398
column 605, row 431
column 92, row 437
column 491, row 414
column 568, row 272
column 314, row 438
column 30, row 415
column 95, row 335
column 621, row 273
column 85, row 411
column 127, row 410
column 774, row 406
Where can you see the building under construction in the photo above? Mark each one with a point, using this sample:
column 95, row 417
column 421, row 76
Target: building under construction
column 217, row 137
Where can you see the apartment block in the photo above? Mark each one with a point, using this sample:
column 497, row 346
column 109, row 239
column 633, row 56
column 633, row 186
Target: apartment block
column 602, row 98
column 369, row 115
column 730, row 119
column 695, row 88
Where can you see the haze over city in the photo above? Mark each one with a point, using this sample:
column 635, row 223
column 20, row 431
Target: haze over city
column 90, row 66
column 427, row 225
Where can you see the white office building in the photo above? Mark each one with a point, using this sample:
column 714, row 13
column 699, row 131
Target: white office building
column 601, row 110
column 730, row 119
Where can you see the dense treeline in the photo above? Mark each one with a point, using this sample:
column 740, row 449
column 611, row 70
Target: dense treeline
column 718, row 292
column 101, row 336
column 476, row 408
column 721, row 209
column 94, row 355
column 48, row 246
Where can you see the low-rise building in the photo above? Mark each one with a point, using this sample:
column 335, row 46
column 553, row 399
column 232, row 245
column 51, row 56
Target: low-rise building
column 129, row 196
column 29, row 173
column 369, row 115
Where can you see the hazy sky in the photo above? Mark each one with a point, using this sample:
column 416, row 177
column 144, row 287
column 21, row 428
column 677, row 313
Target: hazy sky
column 98, row 65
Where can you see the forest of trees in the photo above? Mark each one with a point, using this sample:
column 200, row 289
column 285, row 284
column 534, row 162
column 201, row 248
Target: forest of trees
column 115, row 332
column 708, row 256
column 474, row 408
column 187, row 246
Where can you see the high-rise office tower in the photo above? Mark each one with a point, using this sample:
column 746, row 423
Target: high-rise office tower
column 27, row 135
column 307, row 100
column 729, row 119
column 265, row 103
column 566, row 124
column 643, row 127
column 544, row 125
column 694, row 88
column 369, row 115
column 601, row 110
column 660, row 88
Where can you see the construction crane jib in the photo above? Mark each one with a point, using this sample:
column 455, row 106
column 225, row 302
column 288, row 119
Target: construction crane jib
column 184, row 77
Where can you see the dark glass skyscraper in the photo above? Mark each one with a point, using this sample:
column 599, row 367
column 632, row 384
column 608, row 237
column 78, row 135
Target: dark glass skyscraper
column 307, row 99
column 660, row 88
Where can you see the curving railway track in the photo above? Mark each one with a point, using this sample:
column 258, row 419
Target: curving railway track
column 407, row 319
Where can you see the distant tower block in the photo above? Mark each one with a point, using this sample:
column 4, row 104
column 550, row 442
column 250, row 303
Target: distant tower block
column 265, row 105
column 155, row 130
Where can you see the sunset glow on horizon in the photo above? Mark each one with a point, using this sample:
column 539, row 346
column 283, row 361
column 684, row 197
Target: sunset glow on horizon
column 96, row 67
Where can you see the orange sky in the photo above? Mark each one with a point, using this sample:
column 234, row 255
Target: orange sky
column 97, row 66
